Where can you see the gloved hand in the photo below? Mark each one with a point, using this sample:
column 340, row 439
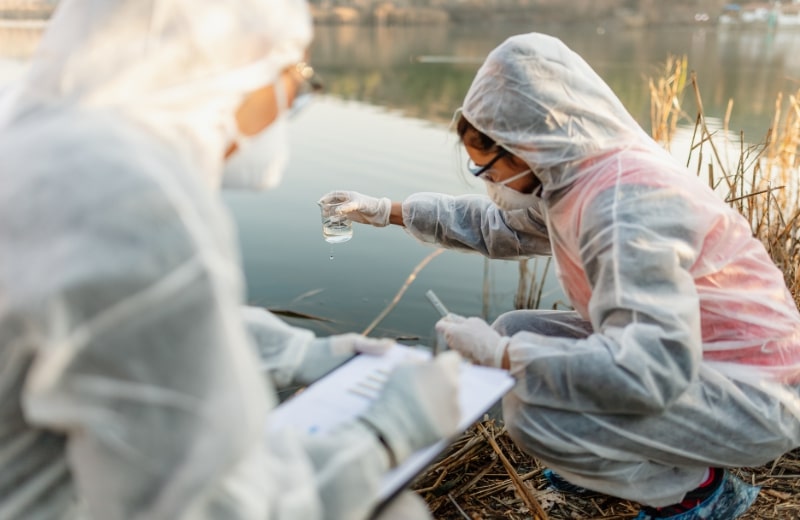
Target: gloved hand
column 362, row 208
column 294, row 355
column 474, row 339
column 324, row 354
column 417, row 406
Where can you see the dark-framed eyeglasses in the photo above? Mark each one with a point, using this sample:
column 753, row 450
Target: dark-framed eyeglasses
column 477, row 171
column 309, row 86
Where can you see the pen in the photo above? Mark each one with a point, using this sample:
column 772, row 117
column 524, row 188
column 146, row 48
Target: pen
column 439, row 306
column 437, row 303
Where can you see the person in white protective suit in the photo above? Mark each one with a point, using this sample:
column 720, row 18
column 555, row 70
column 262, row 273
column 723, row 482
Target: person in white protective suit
column 682, row 355
column 130, row 385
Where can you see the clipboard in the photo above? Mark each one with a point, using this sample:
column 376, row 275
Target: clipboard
column 344, row 393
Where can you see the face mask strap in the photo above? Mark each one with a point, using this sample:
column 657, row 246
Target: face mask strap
column 511, row 179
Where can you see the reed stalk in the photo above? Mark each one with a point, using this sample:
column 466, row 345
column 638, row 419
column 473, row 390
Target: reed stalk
column 762, row 182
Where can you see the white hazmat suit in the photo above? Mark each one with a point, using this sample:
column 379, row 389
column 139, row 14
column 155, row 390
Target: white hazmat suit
column 129, row 385
column 684, row 348
column 692, row 354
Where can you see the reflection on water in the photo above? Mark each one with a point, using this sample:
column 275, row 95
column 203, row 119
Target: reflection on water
column 382, row 129
column 425, row 71
column 349, row 145
column 382, row 65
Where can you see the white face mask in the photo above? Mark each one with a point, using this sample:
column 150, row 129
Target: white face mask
column 508, row 198
column 259, row 160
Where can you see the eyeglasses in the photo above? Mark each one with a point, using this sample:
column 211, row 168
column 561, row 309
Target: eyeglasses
column 478, row 171
column 309, row 86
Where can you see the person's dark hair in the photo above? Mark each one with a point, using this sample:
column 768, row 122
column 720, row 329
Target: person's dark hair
column 473, row 137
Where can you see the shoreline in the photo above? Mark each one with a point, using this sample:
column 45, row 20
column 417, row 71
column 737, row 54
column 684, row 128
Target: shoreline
column 475, row 12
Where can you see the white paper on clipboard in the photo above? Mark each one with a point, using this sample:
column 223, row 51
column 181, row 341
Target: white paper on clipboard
column 331, row 401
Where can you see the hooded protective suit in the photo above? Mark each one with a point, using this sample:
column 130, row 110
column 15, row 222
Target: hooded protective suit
column 129, row 385
column 684, row 350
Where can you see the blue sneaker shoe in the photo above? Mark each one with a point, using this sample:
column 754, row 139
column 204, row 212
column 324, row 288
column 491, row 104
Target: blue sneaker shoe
column 726, row 498
column 559, row 483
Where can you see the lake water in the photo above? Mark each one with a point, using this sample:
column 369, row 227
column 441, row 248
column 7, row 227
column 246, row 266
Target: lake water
column 382, row 129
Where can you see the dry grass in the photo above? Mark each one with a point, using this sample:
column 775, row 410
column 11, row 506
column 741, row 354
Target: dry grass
column 666, row 93
column 483, row 475
column 762, row 183
column 470, row 482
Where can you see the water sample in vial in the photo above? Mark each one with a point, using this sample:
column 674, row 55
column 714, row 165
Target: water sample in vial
column 335, row 228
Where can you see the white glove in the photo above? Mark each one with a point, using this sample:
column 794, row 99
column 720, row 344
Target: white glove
column 474, row 339
column 362, row 208
column 324, row 354
column 417, row 406
column 294, row 355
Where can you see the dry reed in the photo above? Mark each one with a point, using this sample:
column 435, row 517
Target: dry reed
column 409, row 280
column 762, row 184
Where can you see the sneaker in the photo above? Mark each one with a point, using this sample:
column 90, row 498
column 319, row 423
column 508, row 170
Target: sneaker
column 559, row 483
column 723, row 497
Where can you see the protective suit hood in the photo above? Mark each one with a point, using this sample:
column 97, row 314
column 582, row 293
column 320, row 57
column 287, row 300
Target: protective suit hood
column 180, row 67
column 541, row 101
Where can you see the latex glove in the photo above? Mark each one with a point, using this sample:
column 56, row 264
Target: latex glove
column 324, row 354
column 440, row 343
column 474, row 339
column 362, row 208
column 417, row 406
column 294, row 355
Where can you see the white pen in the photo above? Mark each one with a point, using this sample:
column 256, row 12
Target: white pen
column 437, row 303
column 439, row 306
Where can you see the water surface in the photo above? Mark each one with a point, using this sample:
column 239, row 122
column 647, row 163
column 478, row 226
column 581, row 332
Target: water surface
column 383, row 129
